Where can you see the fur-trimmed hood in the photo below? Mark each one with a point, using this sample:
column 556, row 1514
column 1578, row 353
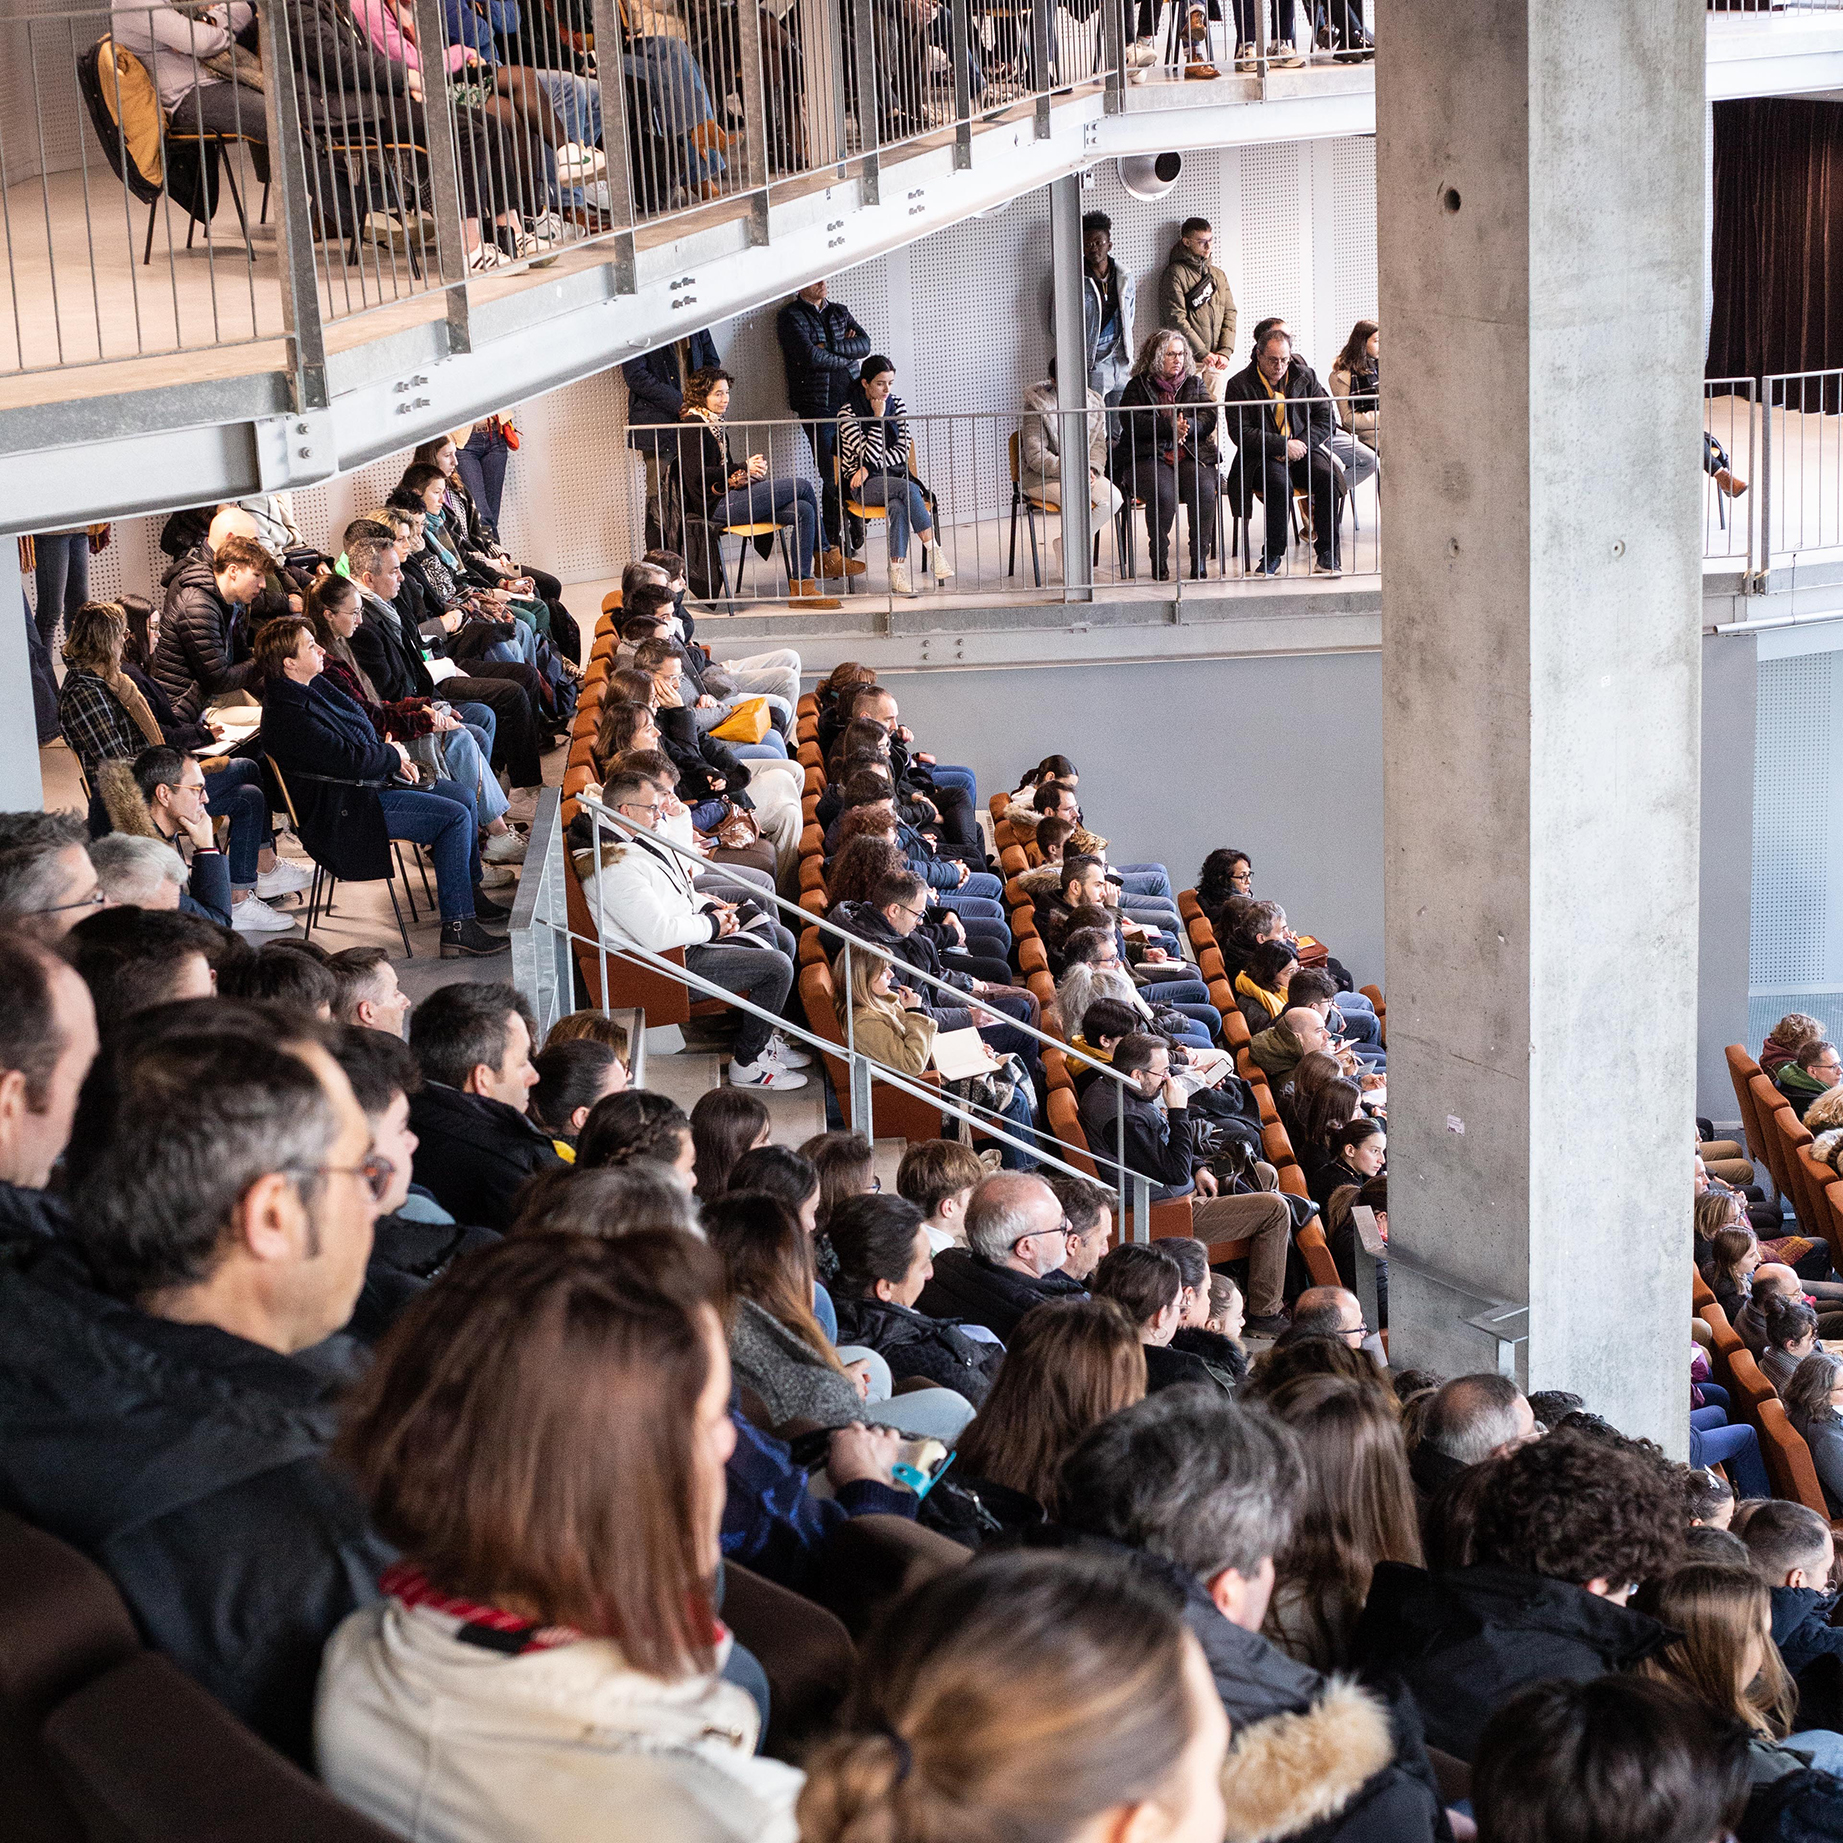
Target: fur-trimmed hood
column 122, row 799
column 1290, row 1772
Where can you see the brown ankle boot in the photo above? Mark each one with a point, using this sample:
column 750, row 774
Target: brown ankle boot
column 808, row 593
column 834, row 564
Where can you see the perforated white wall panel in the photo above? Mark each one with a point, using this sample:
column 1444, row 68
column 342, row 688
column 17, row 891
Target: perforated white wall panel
column 1348, row 294
column 1275, row 210
column 1792, row 823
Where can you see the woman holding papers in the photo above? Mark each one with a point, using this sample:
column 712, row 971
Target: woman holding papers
column 889, row 1023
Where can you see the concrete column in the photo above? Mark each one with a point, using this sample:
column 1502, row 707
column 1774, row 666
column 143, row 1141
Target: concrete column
column 1539, row 176
column 22, row 788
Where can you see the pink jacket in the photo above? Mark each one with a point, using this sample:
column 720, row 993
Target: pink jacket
column 379, row 18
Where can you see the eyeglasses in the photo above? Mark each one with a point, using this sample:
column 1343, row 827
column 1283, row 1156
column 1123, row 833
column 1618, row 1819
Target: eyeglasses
column 917, row 913
column 376, row 1171
column 96, row 899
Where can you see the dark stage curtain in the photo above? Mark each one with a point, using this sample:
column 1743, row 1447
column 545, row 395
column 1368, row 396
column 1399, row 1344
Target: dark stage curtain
column 1778, row 243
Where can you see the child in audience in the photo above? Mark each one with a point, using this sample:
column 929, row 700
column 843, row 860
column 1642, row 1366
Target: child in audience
column 1045, row 1698
column 938, row 1177
column 637, row 1123
column 544, row 1441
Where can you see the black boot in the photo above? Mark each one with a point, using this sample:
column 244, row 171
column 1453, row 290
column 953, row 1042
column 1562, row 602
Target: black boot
column 486, row 909
column 466, row 939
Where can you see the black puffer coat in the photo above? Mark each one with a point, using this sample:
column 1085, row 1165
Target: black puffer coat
column 204, row 647
column 964, row 1286
column 913, row 1344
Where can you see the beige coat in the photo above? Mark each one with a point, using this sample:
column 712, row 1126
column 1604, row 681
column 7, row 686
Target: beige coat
column 903, row 1043
column 445, row 1742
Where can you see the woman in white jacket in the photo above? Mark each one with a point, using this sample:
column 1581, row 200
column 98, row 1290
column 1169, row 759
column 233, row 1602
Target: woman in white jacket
column 1040, row 454
column 545, row 1442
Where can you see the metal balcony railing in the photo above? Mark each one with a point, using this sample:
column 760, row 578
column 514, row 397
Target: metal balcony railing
column 543, row 956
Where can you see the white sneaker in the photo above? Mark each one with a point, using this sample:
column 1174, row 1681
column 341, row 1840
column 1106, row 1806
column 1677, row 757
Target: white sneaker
column 254, row 916
column 899, row 580
column 498, row 877
column 550, row 228
column 764, row 1073
column 1141, row 52
column 576, row 163
column 786, row 1054
column 943, row 570
column 487, row 256
column 504, row 848
column 285, row 879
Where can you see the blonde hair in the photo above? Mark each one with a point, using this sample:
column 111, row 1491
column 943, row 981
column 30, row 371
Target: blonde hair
column 1825, row 1112
column 1796, row 1029
column 1715, row 1609
column 95, row 636
column 855, row 994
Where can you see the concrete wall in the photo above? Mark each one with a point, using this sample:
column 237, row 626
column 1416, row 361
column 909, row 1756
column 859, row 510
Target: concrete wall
column 1281, row 757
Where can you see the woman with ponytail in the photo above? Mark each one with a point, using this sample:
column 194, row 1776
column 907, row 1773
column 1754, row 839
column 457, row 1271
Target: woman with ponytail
column 1029, row 1697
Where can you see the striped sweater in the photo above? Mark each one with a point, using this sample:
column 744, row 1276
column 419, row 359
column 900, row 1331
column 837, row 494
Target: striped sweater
column 880, row 443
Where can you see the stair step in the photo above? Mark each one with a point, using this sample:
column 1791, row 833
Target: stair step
column 795, row 1115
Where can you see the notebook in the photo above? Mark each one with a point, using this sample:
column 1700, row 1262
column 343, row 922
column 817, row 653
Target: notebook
column 960, row 1053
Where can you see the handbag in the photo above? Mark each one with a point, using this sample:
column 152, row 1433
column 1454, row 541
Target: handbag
column 747, row 723
column 737, row 829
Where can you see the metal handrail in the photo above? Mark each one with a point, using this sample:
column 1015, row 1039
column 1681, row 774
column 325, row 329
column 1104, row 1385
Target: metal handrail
column 864, row 1070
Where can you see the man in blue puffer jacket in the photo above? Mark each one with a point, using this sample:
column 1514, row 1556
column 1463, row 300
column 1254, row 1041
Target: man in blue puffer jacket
column 821, row 344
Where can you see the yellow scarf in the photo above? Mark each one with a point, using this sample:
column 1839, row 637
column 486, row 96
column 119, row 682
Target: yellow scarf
column 1248, row 989
column 1279, row 405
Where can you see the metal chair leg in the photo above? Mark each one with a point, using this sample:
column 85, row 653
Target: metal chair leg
column 1036, row 560
column 313, row 902
column 409, row 953
column 396, row 845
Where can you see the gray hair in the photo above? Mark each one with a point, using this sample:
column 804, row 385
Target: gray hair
column 998, row 1217
column 30, row 881
column 1807, row 1395
column 1155, row 344
column 131, row 868
column 1190, row 1475
column 1081, row 984
column 1471, row 1417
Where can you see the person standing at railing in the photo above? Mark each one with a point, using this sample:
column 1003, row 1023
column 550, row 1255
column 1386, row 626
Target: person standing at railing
column 641, row 895
column 822, row 346
column 60, row 562
column 1166, row 454
column 1194, row 297
column 1279, row 418
column 1110, row 299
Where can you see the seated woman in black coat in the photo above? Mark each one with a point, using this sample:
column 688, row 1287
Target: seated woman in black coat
column 1147, row 1284
column 883, row 1263
column 1166, row 452
column 352, row 793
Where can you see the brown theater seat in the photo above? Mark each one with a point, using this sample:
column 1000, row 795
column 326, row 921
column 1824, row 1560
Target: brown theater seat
column 147, row 1757
column 804, row 1650
column 62, row 1624
column 872, row 1561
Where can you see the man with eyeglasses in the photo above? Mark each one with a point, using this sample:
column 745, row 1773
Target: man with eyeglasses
column 1815, row 1070
column 1017, row 1244
column 642, row 896
column 47, row 882
column 155, row 1408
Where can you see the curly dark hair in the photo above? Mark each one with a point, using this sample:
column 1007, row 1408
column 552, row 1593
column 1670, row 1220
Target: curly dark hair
column 1578, row 1507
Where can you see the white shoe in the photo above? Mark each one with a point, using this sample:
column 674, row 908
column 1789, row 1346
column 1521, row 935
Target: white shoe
column 943, row 570
column 764, row 1073
column 254, row 916
column 498, row 877
column 504, row 848
column 899, row 580
column 784, row 1052
column 1141, row 52
column 284, row 880
column 576, row 163
column 550, row 228
column 487, row 256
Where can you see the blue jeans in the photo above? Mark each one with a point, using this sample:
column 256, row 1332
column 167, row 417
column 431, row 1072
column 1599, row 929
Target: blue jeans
column 1823, row 1745
column 1154, row 911
column 236, row 792
column 978, row 883
column 468, row 752
column 63, row 573
column 1198, row 1030
column 1020, row 1120
column 1738, row 1448
column 482, row 465
column 907, row 510
column 672, row 85
column 787, row 502
column 946, row 775
column 577, row 105
column 1146, row 880
column 441, row 818
column 822, row 438
column 985, row 907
